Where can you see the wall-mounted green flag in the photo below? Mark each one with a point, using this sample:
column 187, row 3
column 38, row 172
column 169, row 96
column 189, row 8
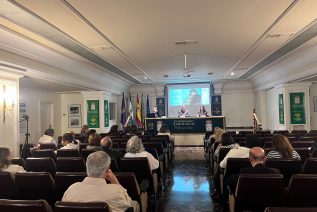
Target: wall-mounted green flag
column 281, row 109
column 297, row 106
column 93, row 113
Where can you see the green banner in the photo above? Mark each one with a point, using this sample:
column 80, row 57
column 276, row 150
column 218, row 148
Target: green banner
column 93, row 113
column 281, row 108
column 106, row 113
column 297, row 108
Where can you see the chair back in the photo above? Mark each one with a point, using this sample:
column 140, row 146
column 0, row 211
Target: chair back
column 7, row 186
column 222, row 153
column 36, row 185
column 44, row 153
column 86, row 152
column 78, row 207
column 287, row 167
column 129, row 182
column 304, row 153
column 68, row 153
column 302, row 190
column 70, row 164
column 302, row 144
column 65, row 179
column 40, row 165
column 18, row 161
column 310, row 166
column 235, row 164
column 48, row 146
column 258, row 191
column 24, row 206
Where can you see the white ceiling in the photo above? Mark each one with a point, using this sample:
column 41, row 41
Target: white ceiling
column 136, row 37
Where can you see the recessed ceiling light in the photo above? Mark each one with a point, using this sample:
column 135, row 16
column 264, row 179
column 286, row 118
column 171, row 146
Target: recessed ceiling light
column 232, row 73
column 145, row 77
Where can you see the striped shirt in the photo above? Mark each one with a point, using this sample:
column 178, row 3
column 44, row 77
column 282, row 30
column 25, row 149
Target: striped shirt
column 276, row 154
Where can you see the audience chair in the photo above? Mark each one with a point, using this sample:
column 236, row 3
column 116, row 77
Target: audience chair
column 70, row 164
column 141, row 169
column 235, row 164
column 68, row 153
column 79, row 207
column 282, row 132
column 302, row 191
column 136, row 192
column 304, row 153
column 24, row 206
column 82, row 146
column 7, row 187
column 48, row 146
column 287, row 167
column 310, row 166
column 285, row 209
column 65, row 179
column 222, row 154
column 86, row 152
column 305, row 138
column 302, row 144
column 161, row 151
column 36, row 185
column 44, row 153
column 114, row 165
column 258, row 191
column 40, row 165
column 18, row 161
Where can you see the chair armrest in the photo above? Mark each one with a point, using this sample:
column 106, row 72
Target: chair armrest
column 144, row 185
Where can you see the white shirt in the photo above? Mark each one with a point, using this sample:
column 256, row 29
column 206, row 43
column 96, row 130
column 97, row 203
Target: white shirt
column 70, row 146
column 154, row 164
column 46, row 139
column 12, row 169
column 97, row 190
column 241, row 152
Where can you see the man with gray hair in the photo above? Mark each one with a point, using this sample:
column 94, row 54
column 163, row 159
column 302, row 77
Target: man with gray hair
column 94, row 188
column 48, row 137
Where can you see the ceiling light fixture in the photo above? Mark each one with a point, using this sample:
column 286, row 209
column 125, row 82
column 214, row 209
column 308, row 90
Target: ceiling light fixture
column 232, row 73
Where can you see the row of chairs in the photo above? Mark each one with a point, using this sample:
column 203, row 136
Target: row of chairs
column 258, row 191
column 43, row 206
column 41, row 185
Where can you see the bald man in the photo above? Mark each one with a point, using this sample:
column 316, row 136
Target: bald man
column 106, row 144
column 257, row 159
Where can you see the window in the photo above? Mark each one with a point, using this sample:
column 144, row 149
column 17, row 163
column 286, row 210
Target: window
column 112, row 107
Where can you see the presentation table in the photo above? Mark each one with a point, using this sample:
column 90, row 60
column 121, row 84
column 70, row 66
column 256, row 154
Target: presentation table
column 187, row 124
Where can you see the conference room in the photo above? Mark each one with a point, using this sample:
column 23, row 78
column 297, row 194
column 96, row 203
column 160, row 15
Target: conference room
column 193, row 80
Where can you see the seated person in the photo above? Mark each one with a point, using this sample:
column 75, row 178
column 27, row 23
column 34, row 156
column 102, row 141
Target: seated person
column 183, row 112
column 48, row 138
column 95, row 188
column 135, row 149
column 202, row 112
column 257, row 159
column 106, row 145
column 156, row 112
column 84, row 134
column 94, row 141
column 242, row 152
column 114, row 131
column 68, row 142
column 164, row 131
column 282, row 148
column 5, row 162
column 227, row 142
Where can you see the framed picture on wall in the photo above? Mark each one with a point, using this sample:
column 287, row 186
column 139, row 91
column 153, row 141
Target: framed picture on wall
column 74, row 122
column 74, row 110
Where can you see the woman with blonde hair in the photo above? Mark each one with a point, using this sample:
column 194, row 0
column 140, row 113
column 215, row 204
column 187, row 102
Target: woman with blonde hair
column 282, row 148
column 5, row 162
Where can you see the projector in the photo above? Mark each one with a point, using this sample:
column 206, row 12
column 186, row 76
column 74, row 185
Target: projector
column 186, row 75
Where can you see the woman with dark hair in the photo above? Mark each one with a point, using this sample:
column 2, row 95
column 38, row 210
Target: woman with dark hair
column 282, row 148
column 114, row 131
column 227, row 142
column 202, row 112
column 94, row 141
column 5, row 162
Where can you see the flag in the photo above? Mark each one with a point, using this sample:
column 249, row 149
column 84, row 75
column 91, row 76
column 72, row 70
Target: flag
column 138, row 112
column 142, row 112
column 147, row 104
column 123, row 113
column 130, row 110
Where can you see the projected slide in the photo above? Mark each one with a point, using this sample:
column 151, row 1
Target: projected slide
column 190, row 95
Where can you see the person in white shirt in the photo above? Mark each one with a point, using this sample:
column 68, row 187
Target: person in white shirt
column 135, row 149
column 68, row 142
column 48, row 138
column 95, row 188
column 5, row 162
column 242, row 152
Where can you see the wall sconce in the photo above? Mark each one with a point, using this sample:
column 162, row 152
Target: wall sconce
column 7, row 97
